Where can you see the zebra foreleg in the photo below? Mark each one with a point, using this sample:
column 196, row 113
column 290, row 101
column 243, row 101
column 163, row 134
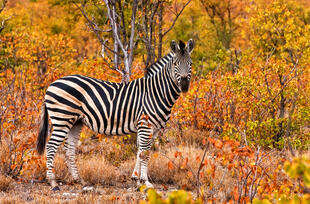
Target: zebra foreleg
column 71, row 143
column 144, row 145
column 144, row 159
column 136, row 172
column 139, row 174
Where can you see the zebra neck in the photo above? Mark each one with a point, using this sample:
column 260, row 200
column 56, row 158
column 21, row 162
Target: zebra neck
column 165, row 90
column 161, row 95
column 158, row 66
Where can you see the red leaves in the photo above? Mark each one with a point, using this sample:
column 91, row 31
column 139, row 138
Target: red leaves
column 164, row 187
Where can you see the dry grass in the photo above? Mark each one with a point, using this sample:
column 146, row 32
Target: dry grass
column 109, row 168
column 6, row 183
column 159, row 171
column 4, row 156
column 96, row 170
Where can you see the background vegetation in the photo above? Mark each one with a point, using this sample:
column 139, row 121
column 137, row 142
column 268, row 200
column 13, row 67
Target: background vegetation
column 231, row 138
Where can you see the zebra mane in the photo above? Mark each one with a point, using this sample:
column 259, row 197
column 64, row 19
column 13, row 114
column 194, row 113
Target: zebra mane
column 158, row 65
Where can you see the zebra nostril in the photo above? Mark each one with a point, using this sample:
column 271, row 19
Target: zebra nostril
column 184, row 84
column 184, row 78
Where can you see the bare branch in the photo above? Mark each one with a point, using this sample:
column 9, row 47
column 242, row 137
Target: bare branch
column 132, row 32
column 4, row 20
column 128, row 54
column 102, row 48
column 112, row 17
column 3, row 24
column 265, row 75
column 3, row 5
column 94, row 27
column 289, row 122
column 176, row 18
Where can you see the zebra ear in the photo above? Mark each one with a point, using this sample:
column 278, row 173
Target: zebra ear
column 174, row 46
column 190, row 46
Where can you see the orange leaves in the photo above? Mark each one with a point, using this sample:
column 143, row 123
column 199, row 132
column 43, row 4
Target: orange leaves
column 198, row 159
column 211, row 140
column 144, row 120
column 144, row 116
column 235, row 194
column 16, row 140
column 155, row 155
column 245, row 151
column 217, row 143
column 170, row 165
column 205, row 162
column 204, row 141
column 189, row 174
column 176, row 154
column 184, row 163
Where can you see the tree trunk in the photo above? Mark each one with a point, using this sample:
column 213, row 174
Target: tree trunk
column 160, row 31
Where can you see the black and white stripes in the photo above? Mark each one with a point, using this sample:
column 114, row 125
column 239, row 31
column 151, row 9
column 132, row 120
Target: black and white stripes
column 142, row 106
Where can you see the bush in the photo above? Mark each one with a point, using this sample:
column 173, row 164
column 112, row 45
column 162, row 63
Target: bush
column 179, row 196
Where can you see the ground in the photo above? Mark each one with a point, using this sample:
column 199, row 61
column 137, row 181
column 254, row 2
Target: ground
column 103, row 165
column 74, row 193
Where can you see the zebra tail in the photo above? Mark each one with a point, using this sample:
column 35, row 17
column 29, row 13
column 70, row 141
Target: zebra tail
column 41, row 141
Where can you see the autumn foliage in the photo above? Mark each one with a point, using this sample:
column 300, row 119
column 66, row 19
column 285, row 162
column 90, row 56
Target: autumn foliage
column 232, row 138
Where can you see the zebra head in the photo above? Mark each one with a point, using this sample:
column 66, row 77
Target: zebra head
column 182, row 63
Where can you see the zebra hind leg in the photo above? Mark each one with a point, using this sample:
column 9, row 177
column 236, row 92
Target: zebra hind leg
column 58, row 136
column 70, row 148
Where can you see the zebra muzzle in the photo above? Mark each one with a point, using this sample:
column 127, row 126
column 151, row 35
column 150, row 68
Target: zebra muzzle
column 184, row 84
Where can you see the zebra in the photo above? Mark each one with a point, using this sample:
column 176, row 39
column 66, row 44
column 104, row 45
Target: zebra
column 142, row 106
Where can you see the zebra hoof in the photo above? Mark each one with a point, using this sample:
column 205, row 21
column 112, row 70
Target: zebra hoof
column 148, row 185
column 56, row 188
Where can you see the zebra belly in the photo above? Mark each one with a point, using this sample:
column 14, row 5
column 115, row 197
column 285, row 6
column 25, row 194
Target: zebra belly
column 119, row 127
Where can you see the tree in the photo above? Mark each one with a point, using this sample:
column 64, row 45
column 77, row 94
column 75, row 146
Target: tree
column 224, row 16
column 151, row 27
column 274, row 73
column 120, row 26
column 4, row 2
